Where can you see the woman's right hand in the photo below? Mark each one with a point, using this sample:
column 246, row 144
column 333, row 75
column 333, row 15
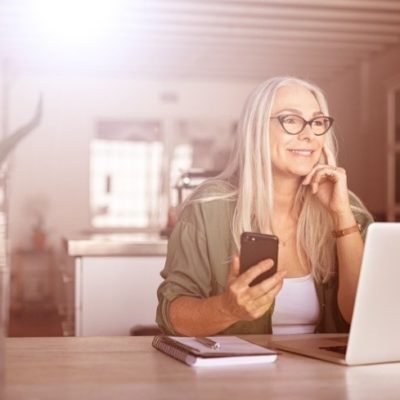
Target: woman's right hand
column 240, row 301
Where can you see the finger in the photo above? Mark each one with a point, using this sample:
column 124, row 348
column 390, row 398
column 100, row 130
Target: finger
column 268, row 284
column 327, row 173
column 321, row 177
column 270, row 296
column 248, row 276
column 263, row 303
column 330, row 158
column 311, row 174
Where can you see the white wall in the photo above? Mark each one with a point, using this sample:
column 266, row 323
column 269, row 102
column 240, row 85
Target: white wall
column 51, row 166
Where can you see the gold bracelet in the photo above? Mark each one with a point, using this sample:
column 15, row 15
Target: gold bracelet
column 343, row 232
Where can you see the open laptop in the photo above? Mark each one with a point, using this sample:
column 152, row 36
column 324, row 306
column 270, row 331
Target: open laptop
column 375, row 329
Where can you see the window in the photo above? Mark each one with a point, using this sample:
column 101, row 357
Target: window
column 126, row 160
column 135, row 168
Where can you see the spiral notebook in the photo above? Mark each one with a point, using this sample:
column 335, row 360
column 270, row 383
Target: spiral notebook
column 231, row 350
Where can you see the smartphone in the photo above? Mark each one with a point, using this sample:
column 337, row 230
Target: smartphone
column 255, row 247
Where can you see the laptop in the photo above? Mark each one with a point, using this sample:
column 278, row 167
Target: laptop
column 375, row 329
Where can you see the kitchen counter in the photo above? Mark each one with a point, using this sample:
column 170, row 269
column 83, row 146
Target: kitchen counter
column 140, row 244
column 116, row 277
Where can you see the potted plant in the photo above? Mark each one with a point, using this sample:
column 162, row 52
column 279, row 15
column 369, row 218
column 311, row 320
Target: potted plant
column 6, row 146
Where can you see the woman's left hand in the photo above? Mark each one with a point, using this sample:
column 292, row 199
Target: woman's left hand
column 329, row 184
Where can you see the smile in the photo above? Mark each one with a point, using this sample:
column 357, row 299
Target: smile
column 301, row 152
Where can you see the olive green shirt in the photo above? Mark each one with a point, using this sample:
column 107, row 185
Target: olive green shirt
column 199, row 254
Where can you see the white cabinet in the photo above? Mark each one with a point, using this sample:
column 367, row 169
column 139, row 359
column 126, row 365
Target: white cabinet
column 114, row 294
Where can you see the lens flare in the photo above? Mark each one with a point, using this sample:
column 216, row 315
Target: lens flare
column 73, row 21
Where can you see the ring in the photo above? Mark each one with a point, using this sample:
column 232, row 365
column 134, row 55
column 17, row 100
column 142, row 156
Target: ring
column 331, row 173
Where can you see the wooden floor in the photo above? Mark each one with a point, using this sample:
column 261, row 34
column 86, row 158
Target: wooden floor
column 35, row 321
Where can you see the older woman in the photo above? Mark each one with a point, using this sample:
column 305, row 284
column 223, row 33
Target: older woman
column 282, row 179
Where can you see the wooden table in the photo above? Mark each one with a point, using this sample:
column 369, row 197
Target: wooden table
column 116, row 368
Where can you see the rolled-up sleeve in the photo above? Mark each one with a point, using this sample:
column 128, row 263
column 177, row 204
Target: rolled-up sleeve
column 187, row 268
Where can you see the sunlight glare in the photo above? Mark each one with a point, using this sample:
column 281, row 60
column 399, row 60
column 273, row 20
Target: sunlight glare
column 75, row 21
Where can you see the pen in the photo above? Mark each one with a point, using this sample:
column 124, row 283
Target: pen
column 208, row 342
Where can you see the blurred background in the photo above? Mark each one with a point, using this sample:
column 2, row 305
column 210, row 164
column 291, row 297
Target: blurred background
column 140, row 103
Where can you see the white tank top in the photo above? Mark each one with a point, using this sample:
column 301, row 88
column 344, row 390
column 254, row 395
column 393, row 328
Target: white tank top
column 296, row 307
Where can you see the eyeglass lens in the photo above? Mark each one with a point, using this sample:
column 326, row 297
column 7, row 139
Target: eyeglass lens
column 294, row 124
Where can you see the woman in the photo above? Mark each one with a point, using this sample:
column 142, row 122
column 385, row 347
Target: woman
column 282, row 179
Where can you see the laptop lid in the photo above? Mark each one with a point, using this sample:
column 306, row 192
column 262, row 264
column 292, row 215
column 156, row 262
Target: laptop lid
column 375, row 328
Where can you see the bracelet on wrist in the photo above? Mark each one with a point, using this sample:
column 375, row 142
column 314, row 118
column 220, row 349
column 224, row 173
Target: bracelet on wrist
column 347, row 231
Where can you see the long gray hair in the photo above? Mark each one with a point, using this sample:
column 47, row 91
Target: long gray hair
column 248, row 181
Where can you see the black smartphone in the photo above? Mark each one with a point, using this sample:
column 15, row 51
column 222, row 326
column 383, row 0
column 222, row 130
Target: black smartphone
column 255, row 247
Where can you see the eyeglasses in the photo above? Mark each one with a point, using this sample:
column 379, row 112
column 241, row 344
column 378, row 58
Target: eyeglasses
column 294, row 124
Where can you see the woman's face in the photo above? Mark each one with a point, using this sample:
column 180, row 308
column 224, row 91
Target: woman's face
column 294, row 155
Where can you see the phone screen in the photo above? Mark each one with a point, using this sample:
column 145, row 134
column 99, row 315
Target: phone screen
column 255, row 247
